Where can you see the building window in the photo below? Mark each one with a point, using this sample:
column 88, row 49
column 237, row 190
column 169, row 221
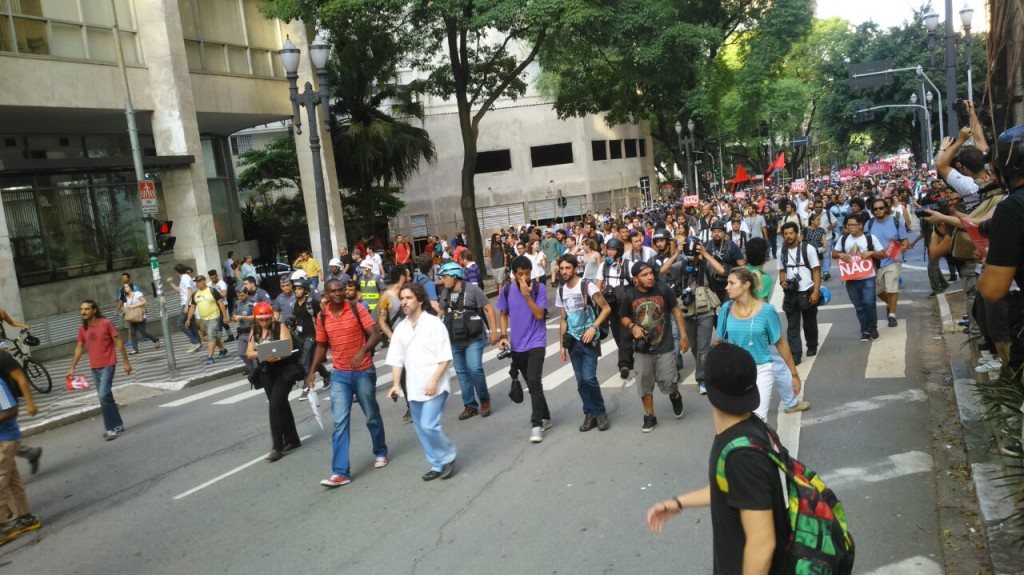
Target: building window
column 240, row 144
column 616, row 149
column 493, row 161
column 599, row 149
column 230, row 37
column 551, row 155
column 630, row 148
column 643, row 147
column 57, row 28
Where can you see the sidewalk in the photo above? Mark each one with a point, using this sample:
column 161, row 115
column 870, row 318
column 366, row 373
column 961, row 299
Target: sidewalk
column 150, row 376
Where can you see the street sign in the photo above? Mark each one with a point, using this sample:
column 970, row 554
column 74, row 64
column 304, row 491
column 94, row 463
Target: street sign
column 147, row 196
column 872, row 74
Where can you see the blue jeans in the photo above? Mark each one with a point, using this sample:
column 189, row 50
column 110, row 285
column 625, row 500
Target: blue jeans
column 826, row 261
column 469, row 366
column 103, row 379
column 191, row 332
column 343, row 385
column 138, row 332
column 314, row 282
column 862, row 296
column 426, row 418
column 584, row 365
column 783, row 379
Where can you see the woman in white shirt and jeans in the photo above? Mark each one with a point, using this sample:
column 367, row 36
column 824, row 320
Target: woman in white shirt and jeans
column 134, row 299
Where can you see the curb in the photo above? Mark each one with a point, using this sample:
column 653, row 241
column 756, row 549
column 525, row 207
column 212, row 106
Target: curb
column 92, row 410
column 988, row 472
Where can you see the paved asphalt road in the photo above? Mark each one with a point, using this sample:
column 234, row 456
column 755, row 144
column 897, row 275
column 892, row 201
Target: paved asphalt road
column 185, row 490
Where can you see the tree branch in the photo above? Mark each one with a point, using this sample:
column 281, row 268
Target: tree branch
column 541, row 36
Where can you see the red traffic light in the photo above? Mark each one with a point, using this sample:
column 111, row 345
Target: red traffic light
column 164, row 227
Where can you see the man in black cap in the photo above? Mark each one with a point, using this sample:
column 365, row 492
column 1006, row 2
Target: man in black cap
column 748, row 519
column 645, row 314
column 725, row 252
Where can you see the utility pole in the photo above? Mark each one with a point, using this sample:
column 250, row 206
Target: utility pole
column 140, row 175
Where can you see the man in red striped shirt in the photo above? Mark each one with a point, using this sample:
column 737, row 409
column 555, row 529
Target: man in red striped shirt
column 350, row 331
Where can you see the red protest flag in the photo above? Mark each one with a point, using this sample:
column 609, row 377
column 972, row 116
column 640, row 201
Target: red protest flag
column 741, row 175
column 778, row 164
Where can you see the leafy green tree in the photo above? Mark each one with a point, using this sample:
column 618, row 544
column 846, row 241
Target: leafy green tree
column 277, row 223
column 271, row 168
column 666, row 61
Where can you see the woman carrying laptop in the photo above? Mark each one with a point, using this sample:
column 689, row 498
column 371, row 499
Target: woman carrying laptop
column 272, row 372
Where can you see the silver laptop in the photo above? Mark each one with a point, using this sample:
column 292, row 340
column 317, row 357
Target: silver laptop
column 275, row 348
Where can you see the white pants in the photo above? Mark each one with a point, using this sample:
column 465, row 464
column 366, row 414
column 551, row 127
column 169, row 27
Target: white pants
column 765, row 381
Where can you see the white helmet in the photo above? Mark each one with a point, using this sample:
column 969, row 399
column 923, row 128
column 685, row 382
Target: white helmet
column 299, row 275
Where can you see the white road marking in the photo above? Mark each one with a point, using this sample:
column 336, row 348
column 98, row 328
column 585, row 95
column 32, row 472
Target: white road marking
column 850, row 305
column 892, row 467
column 914, row 566
column 788, row 424
column 888, row 355
column 945, row 314
column 205, row 394
column 865, row 405
column 240, row 397
column 617, row 381
column 226, row 475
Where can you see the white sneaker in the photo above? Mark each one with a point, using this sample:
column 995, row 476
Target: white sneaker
column 994, row 364
column 536, row 435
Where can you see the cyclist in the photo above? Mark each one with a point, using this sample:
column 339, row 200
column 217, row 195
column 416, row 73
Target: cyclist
column 6, row 318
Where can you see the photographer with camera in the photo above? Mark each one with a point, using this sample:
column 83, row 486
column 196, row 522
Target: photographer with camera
column 1004, row 263
column 800, row 277
column 698, row 301
column 464, row 304
column 584, row 311
column 645, row 313
column 522, row 305
column 723, row 250
column 614, row 281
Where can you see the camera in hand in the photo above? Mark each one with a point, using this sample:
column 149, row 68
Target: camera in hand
column 793, row 282
column 505, row 353
column 686, row 297
column 642, row 345
column 941, row 206
column 690, row 248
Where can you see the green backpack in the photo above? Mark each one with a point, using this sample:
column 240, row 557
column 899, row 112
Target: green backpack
column 819, row 540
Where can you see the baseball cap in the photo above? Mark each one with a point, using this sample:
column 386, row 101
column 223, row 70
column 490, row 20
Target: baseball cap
column 730, row 376
column 719, row 225
column 639, row 267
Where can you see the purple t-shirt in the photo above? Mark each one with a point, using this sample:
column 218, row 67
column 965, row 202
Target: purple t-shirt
column 525, row 331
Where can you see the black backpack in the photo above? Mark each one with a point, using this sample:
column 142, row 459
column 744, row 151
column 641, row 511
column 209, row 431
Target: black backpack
column 602, row 329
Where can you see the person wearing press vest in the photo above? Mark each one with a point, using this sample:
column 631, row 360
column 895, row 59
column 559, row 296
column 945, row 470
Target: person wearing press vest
column 800, row 277
column 865, row 247
column 614, row 280
column 522, row 304
column 465, row 306
column 583, row 312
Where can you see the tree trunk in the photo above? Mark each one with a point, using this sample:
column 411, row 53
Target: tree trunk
column 468, row 201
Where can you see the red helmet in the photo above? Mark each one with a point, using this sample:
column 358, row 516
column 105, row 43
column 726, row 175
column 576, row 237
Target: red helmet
column 263, row 310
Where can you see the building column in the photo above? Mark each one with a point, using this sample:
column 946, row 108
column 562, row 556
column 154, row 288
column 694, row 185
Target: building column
column 10, row 294
column 300, row 37
column 176, row 132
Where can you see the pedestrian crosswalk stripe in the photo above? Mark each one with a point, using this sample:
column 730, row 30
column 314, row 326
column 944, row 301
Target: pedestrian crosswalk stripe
column 240, row 397
column 919, row 565
column 892, row 467
column 788, row 424
column 205, row 394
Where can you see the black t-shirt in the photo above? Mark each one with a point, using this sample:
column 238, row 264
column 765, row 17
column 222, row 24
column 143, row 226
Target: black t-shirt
column 1006, row 235
column 651, row 310
column 8, row 365
column 305, row 322
column 754, row 484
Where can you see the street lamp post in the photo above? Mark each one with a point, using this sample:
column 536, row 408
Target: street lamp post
column 966, row 16
column 319, row 52
column 688, row 172
column 931, row 21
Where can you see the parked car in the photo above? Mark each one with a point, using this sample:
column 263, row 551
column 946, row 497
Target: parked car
column 269, row 276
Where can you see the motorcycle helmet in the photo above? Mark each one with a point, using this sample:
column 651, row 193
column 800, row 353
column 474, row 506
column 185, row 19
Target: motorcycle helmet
column 661, row 234
column 1008, row 154
column 301, row 283
column 616, row 244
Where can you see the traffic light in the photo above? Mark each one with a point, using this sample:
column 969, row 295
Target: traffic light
column 562, row 202
column 164, row 239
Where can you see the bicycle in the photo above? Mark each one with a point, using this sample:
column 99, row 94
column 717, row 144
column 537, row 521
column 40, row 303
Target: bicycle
column 38, row 377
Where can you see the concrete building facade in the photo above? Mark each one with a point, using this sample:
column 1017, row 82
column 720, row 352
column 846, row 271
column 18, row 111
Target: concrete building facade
column 70, row 219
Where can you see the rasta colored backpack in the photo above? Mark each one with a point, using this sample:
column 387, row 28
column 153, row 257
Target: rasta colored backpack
column 819, row 541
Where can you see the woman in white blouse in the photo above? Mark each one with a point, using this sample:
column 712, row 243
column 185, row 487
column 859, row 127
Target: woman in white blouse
column 420, row 346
